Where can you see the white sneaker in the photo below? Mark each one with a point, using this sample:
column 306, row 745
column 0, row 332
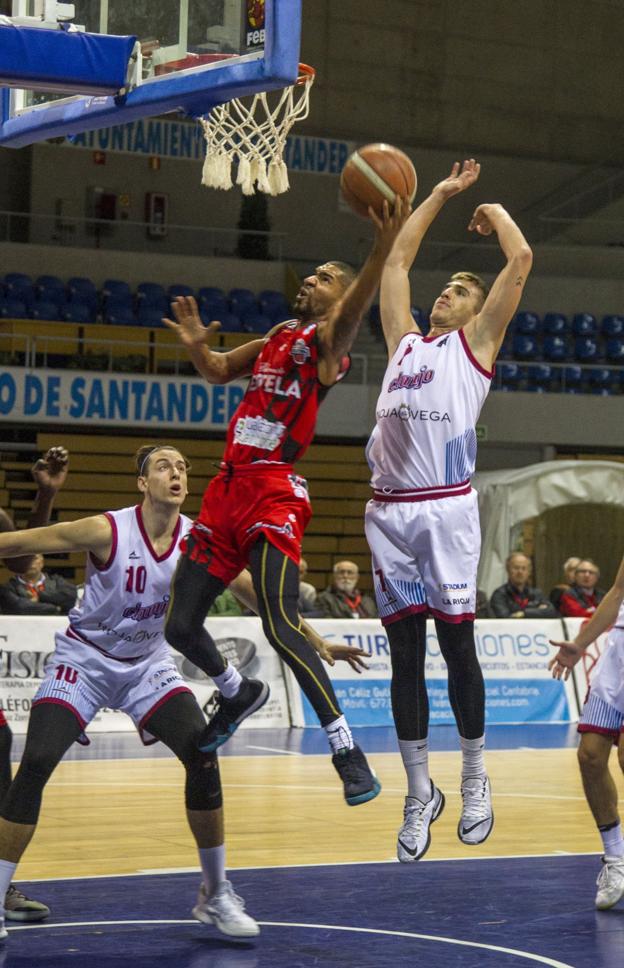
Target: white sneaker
column 414, row 836
column 226, row 910
column 3, row 931
column 610, row 883
column 477, row 817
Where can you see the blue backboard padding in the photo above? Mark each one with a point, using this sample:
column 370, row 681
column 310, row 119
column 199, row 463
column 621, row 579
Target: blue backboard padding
column 194, row 93
column 63, row 61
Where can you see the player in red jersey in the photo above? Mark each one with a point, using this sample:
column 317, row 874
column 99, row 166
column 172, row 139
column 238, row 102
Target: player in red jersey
column 256, row 509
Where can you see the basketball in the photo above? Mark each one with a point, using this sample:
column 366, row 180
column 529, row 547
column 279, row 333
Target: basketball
column 376, row 173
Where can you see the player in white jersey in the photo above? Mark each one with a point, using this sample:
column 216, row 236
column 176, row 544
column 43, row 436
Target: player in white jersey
column 601, row 725
column 422, row 523
column 114, row 654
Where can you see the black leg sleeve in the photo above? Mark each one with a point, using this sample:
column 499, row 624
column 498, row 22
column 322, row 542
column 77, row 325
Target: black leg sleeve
column 5, row 760
column 465, row 678
column 51, row 731
column 193, row 590
column 276, row 581
column 408, row 689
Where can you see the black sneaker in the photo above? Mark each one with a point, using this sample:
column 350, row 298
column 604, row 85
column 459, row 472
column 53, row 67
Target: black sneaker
column 360, row 783
column 231, row 712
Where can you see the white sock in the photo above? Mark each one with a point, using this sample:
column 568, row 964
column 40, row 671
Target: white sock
column 212, row 860
column 229, row 682
column 473, row 763
column 339, row 735
column 415, row 756
column 7, row 872
column 612, row 840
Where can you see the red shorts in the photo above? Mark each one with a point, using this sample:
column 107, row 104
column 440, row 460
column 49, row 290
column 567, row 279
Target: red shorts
column 239, row 506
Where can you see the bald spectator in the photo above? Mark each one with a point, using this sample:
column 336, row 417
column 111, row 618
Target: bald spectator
column 343, row 599
column 36, row 593
column 583, row 597
column 569, row 567
column 517, row 598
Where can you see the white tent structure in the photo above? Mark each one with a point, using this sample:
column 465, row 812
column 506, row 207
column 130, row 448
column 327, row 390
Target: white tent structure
column 509, row 497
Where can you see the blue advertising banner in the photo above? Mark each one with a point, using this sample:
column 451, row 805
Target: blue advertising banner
column 513, row 654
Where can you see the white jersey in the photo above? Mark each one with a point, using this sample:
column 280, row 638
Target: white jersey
column 125, row 599
column 431, row 398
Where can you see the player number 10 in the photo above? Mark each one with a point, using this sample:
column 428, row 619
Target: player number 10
column 136, row 579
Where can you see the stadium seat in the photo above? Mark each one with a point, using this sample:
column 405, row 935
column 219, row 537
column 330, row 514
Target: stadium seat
column 150, row 316
column 556, row 349
column 78, row 312
column 572, row 378
column 43, row 309
column 509, row 376
column 49, row 284
column 82, row 290
column 119, row 312
column 152, row 294
column 242, row 301
column 586, row 349
column 210, row 294
column 17, row 280
column 602, row 391
column 526, row 323
column 584, row 324
column 539, row 375
column 20, row 289
column 179, row 289
column 614, row 349
column 524, row 347
column 555, row 324
column 116, row 288
column 14, row 309
column 229, row 322
column 255, row 322
column 215, row 307
column 612, row 326
column 600, row 376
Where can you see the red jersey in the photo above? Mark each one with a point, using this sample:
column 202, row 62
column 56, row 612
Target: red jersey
column 276, row 418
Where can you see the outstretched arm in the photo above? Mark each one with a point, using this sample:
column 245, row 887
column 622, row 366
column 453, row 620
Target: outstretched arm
column 49, row 473
column 487, row 332
column 396, row 318
column 214, row 367
column 89, row 534
column 602, row 619
column 338, row 333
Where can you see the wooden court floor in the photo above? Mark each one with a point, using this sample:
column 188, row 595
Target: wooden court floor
column 120, row 816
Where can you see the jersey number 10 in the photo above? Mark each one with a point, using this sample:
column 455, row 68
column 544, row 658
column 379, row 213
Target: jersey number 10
column 136, row 579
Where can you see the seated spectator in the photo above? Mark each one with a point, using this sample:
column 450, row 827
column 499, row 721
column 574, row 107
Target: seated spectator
column 226, row 604
column 482, row 609
column 583, row 597
column 569, row 567
column 35, row 593
column 516, row 598
column 307, row 604
column 342, row 599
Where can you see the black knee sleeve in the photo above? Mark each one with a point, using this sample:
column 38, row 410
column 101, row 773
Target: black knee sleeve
column 465, row 678
column 408, row 689
column 203, row 784
column 23, row 800
column 5, row 760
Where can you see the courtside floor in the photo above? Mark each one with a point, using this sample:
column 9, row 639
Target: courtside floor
column 115, row 863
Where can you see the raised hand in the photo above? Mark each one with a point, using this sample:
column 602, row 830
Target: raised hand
column 568, row 655
column 188, row 325
column 390, row 223
column 50, row 471
column 462, row 176
column 483, row 220
column 350, row 654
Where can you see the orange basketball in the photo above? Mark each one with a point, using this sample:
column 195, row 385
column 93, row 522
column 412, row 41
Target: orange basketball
column 376, row 173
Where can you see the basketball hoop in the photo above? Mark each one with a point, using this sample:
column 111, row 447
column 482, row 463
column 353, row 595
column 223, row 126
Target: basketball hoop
column 254, row 135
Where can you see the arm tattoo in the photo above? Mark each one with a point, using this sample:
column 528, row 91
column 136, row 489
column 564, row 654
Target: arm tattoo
column 519, row 280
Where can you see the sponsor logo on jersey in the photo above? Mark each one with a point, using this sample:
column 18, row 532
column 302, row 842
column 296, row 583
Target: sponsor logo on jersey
column 442, row 342
column 133, row 556
column 258, row 432
column 300, row 352
column 452, row 586
column 286, row 528
column 141, row 612
column 412, row 381
column 271, row 383
column 405, row 412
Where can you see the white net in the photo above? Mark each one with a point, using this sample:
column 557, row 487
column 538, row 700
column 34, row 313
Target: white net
column 253, row 136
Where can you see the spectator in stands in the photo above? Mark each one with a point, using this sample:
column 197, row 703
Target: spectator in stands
column 307, row 593
column 569, row 567
column 583, row 597
column 343, row 599
column 482, row 609
column 36, row 593
column 517, row 598
column 227, row 604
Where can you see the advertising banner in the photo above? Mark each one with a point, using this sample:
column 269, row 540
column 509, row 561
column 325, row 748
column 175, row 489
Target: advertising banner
column 513, row 654
column 26, row 644
column 582, row 671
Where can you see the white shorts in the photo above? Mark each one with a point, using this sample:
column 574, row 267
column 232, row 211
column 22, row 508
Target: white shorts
column 425, row 557
column 84, row 680
column 603, row 711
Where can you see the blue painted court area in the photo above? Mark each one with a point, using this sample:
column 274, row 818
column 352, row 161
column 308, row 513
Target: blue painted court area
column 502, row 913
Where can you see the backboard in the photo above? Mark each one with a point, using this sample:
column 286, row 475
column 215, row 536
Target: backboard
column 170, row 56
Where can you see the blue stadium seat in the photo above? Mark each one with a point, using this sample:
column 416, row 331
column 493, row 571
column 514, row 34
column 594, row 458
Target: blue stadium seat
column 56, row 296
column 152, row 294
column 572, row 378
column 614, row 349
column 602, row 391
column 612, row 326
column 150, row 316
column 255, row 322
column 49, row 284
column 555, row 324
column 43, row 309
column 229, row 322
column 584, row 324
column 115, row 287
column 119, row 314
column 274, row 304
column 79, row 312
column 179, row 289
column 242, row 301
column 539, row 375
column 525, row 347
column 600, row 376
column 509, row 376
column 526, row 323
column 20, row 289
column 556, row 349
column 14, row 309
column 82, row 290
column 210, row 294
column 586, row 349
column 17, row 280
column 217, row 306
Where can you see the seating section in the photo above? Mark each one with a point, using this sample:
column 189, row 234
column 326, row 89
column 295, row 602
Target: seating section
column 79, row 301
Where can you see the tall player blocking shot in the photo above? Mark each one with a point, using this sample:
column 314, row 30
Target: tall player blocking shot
column 256, row 509
column 422, row 523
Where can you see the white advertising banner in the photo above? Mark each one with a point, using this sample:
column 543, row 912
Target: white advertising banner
column 513, row 653
column 582, row 672
column 27, row 643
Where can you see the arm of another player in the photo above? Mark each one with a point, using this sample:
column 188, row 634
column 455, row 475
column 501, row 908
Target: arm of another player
column 396, row 317
column 603, row 618
column 487, row 332
column 337, row 335
column 214, row 367
column 89, row 534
